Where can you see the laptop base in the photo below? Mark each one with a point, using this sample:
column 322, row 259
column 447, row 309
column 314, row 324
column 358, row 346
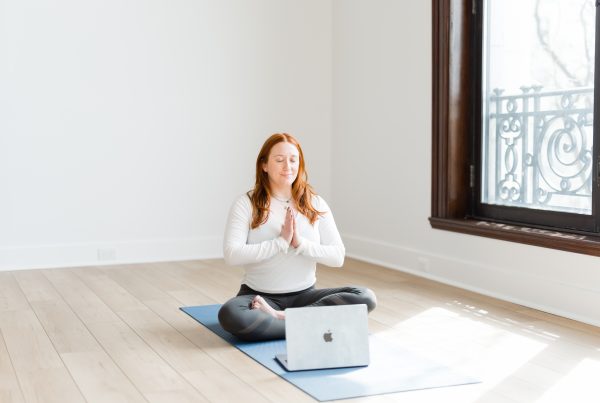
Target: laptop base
column 282, row 359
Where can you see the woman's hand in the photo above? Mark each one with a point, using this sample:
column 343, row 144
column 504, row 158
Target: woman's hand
column 295, row 237
column 287, row 230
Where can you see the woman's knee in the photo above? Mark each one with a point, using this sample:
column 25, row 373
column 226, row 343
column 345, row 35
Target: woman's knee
column 236, row 317
column 231, row 315
column 367, row 297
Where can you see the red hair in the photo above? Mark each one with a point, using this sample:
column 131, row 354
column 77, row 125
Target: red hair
column 302, row 192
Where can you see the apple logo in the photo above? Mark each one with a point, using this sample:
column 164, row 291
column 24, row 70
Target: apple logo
column 327, row 336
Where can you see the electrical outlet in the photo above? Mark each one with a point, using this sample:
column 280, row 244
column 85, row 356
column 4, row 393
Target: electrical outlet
column 423, row 264
column 107, row 254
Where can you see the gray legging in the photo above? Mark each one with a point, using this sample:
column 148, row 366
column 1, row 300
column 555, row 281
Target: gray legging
column 239, row 319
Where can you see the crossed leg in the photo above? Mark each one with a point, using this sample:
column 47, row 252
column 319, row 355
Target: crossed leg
column 242, row 317
column 260, row 317
column 337, row 296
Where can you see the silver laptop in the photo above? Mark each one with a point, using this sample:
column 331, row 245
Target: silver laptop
column 326, row 337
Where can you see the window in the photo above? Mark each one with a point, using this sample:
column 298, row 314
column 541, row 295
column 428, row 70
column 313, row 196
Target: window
column 514, row 150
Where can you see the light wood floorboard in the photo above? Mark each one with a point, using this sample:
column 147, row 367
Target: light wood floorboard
column 116, row 334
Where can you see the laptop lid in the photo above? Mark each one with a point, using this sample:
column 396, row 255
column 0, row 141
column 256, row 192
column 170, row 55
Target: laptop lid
column 326, row 337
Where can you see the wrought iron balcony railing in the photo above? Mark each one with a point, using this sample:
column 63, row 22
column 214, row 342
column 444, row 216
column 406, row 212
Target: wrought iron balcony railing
column 538, row 149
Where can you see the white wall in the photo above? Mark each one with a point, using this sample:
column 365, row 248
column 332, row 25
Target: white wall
column 128, row 126
column 382, row 170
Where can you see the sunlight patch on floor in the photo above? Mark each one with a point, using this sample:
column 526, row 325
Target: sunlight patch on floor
column 581, row 384
column 470, row 343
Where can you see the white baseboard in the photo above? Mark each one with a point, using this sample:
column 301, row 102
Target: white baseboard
column 108, row 253
column 533, row 291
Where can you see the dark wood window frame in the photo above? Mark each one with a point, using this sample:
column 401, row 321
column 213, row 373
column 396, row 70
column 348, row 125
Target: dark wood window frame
column 452, row 149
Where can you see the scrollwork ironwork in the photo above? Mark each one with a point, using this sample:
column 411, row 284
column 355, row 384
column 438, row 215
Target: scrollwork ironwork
column 543, row 148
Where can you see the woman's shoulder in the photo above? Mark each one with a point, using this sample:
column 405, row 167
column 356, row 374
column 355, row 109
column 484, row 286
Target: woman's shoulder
column 242, row 200
column 319, row 203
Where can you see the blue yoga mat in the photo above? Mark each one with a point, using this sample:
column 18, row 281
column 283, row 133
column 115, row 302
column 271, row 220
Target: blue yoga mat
column 392, row 369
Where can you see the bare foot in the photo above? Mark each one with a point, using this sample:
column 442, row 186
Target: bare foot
column 259, row 303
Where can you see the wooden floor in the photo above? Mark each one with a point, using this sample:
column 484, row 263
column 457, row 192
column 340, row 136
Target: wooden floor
column 115, row 334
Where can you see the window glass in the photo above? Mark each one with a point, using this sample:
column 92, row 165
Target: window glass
column 537, row 82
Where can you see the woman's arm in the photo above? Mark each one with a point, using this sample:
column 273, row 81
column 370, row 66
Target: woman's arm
column 330, row 251
column 236, row 250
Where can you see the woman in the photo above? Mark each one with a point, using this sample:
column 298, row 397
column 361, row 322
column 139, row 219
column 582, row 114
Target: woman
column 279, row 231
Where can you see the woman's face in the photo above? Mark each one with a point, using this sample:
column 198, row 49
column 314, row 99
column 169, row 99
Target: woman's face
column 282, row 165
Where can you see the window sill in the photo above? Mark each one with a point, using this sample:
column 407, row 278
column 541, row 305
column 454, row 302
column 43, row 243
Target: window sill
column 585, row 244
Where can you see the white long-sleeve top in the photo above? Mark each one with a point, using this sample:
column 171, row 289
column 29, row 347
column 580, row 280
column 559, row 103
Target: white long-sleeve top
column 271, row 265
